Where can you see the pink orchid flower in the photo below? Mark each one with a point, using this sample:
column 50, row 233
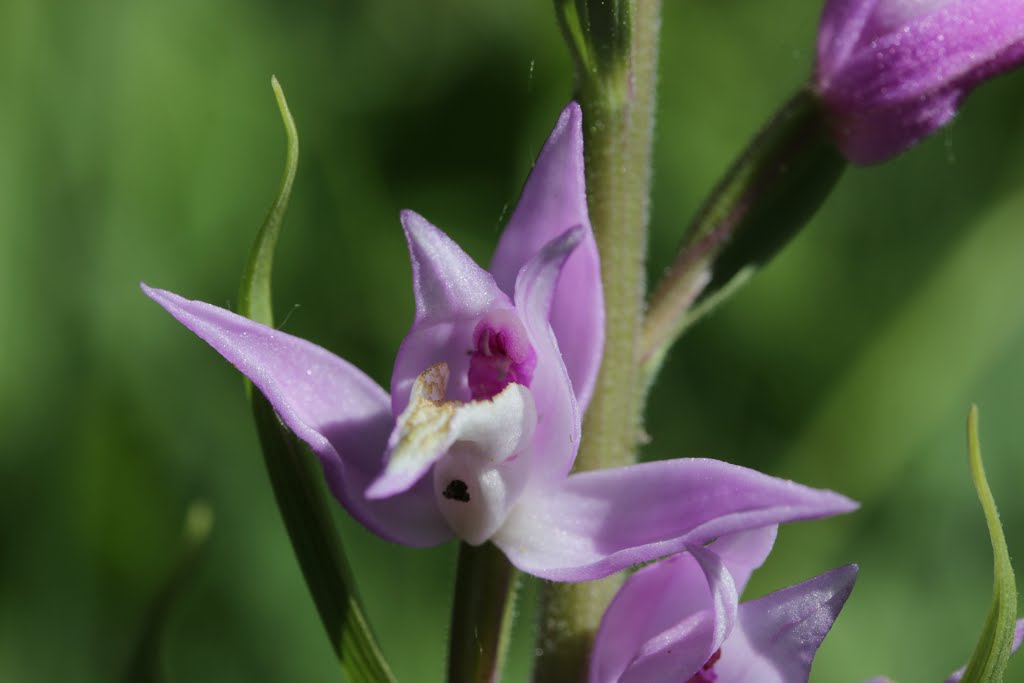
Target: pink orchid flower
column 482, row 425
column 893, row 71
column 680, row 620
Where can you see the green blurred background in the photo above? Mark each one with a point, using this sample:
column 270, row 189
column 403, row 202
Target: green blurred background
column 140, row 140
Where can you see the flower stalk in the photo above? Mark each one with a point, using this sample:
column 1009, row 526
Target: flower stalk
column 770, row 192
column 482, row 614
column 618, row 99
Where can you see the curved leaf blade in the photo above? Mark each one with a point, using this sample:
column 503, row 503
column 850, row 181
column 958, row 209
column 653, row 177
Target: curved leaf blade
column 988, row 662
column 293, row 470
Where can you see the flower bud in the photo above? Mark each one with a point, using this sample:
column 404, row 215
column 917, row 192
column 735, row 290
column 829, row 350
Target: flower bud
column 891, row 72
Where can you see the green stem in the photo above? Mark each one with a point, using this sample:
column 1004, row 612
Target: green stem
column 482, row 614
column 618, row 115
column 770, row 192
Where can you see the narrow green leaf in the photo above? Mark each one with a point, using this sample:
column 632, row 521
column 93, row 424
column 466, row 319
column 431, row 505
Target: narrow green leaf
column 294, row 472
column 993, row 649
column 145, row 664
column 254, row 296
column 295, row 476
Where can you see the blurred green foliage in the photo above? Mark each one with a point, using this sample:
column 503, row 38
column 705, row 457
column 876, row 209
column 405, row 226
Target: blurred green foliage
column 140, row 140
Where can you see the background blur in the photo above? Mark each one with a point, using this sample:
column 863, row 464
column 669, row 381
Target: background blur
column 140, row 140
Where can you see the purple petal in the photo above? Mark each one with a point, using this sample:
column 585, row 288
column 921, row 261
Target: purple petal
column 842, row 24
column 1018, row 636
column 744, row 552
column 449, row 342
column 666, row 622
column 874, row 135
column 331, row 405
column 452, row 293
column 554, row 200
column 448, row 284
column 910, row 68
column 599, row 522
column 776, row 637
column 557, row 437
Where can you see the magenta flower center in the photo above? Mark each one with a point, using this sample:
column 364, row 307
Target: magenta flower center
column 706, row 673
column 502, row 354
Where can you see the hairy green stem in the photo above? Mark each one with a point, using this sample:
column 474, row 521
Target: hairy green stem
column 482, row 614
column 618, row 100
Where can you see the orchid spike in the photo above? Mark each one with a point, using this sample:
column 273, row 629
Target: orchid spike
column 483, row 420
column 893, row 71
column 680, row 619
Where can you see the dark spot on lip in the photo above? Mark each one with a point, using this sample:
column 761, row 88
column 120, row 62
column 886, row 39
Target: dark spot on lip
column 456, row 490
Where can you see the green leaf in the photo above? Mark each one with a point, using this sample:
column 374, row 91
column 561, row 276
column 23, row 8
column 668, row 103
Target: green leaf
column 993, row 649
column 295, row 474
column 145, row 663
column 254, row 299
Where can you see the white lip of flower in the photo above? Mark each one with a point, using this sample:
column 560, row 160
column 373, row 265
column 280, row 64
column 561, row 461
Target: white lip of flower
column 479, row 450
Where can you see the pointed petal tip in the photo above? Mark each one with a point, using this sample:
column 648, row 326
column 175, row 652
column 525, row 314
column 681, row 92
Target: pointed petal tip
column 568, row 130
column 829, row 502
column 573, row 236
column 447, row 283
column 388, row 485
column 572, row 115
column 565, row 244
column 415, row 227
column 844, row 504
column 839, row 582
column 848, row 573
column 412, row 221
column 554, row 254
column 162, row 296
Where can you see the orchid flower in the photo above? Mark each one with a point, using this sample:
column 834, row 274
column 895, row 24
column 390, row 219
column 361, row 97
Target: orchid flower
column 1018, row 636
column 483, row 420
column 893, row 71
column 680, row 620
